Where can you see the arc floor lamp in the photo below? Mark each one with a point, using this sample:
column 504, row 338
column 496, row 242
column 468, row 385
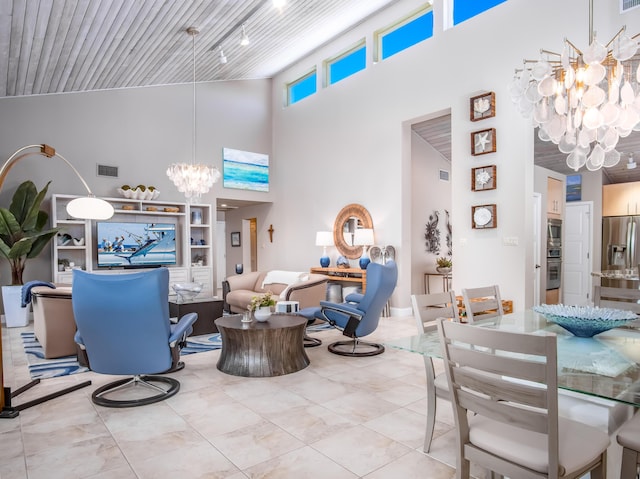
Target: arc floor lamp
column 85, row 207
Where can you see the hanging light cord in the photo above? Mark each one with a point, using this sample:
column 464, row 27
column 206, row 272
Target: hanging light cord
column 194, row 32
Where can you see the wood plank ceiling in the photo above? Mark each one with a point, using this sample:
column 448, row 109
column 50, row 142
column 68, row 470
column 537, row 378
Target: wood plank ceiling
column 55, row 46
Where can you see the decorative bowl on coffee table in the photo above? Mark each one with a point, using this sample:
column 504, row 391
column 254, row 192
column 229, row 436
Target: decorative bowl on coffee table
column 585, row 321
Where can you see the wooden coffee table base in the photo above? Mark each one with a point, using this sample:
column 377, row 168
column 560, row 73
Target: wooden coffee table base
column 272, row 348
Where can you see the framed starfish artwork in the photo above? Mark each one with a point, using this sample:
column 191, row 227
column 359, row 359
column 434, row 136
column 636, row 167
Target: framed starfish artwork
column 482, row 106
column 483, row 142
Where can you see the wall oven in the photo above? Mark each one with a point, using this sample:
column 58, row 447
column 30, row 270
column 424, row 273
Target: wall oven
column 554, row 232
column 554, row 268
column 554, row 253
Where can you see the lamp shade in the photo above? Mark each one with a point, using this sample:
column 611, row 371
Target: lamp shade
column 324, row 238
column 363, row 237
column 90, row 208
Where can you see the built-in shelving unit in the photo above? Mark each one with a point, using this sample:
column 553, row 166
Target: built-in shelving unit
column 194, row 237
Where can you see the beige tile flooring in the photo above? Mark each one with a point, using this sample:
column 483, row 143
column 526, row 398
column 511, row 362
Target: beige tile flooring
column 338, row 418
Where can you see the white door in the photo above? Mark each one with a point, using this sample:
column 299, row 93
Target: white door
column 537, row 239
column 576, row 253
column 221, row 256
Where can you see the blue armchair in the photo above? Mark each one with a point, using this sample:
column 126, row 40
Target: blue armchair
column 123, row 324
column 360, row 314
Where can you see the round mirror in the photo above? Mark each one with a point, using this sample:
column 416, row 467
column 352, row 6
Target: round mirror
column 350, row 218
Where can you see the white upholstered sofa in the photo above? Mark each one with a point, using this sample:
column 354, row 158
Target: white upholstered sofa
column 306, row 288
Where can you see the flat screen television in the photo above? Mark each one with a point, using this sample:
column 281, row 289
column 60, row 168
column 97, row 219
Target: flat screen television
column 135, row 245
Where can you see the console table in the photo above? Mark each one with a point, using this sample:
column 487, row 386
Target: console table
column 350, row 275
column 208, row 309
column 446, row 281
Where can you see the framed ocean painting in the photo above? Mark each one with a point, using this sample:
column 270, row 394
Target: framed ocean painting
column 574, row 187
column 245, row 170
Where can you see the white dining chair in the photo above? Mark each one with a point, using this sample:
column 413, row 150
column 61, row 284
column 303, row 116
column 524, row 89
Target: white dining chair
column 617, row 298
column 629, row 438
column 509, row 381
column 482, row 303
column 426, row 309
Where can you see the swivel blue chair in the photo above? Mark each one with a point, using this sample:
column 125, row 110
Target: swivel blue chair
column 123, row 324
column 360, row 314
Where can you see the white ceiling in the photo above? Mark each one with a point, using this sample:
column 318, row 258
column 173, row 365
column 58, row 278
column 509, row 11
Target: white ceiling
column 54, row 46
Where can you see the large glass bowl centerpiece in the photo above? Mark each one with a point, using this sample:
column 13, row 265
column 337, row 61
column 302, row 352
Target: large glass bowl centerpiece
column 585, row 321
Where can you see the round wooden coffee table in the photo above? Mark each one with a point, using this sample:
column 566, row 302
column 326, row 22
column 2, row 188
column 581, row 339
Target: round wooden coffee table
column 254, row 349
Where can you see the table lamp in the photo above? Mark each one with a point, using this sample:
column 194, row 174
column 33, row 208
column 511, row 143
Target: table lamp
column 364, row 237
column 324, row 239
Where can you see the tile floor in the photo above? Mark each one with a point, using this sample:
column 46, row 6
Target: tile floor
column 338, row 418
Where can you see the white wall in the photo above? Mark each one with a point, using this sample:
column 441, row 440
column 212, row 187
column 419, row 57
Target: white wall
column 430, row 194
column 140, row 130
column 349, row 143
column 351, row 136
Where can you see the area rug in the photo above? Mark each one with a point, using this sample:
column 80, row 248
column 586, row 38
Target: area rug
column 41, row 368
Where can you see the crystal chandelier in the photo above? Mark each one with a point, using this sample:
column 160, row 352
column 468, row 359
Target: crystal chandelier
column 583, row 101
column 193, row 179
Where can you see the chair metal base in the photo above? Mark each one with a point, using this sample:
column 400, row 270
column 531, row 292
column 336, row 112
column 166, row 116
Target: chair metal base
column 310, row 342
column 356, row 348
column 161, row 393
column 175, row 367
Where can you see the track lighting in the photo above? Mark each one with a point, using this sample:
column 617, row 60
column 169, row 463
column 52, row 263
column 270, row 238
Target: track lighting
column 223, row 57
column 244, row 39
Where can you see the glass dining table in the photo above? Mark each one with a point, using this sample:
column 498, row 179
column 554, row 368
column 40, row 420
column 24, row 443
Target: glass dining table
column 606, row 366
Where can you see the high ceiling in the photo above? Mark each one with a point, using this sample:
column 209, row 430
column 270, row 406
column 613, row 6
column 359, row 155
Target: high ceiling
column 53, row 46
column 548, row 156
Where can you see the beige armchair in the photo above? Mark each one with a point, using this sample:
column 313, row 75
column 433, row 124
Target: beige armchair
column 306, row 288
column 53, row 321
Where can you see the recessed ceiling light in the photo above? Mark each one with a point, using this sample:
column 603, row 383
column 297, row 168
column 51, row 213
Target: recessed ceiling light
column 632, row 164
column 244, row 38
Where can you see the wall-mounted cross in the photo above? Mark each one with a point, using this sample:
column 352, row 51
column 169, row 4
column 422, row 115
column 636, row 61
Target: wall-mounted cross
column 271, row 230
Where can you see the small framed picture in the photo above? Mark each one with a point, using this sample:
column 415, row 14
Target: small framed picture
column 483, row 142
column 484, row 217
column 482, row 106
column 483, row 178
column 235, row 238
column 574, row 187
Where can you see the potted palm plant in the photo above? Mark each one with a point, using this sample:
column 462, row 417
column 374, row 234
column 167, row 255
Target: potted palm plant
column 22, row 236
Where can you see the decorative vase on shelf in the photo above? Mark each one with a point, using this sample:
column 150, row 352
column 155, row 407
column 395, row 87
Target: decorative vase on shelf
column 262, row 313
column 443, row 270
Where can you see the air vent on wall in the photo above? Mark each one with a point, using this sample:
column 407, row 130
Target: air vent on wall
column 626, row 5
column 444, row 175
column 111, row 171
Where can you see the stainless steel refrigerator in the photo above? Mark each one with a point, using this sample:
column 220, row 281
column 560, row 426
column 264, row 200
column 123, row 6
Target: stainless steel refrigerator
column 621, row 249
